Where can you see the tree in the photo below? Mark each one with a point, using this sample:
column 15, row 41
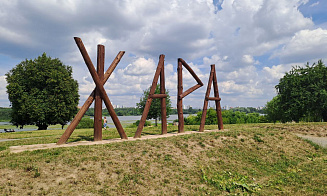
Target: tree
column 272, row 110
column 155, row 109
column 42, row 92
column 302, row 93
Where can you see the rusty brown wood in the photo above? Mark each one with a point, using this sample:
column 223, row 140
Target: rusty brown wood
column 213, row 98
column 151, row 94
column 180, row 93
column 98, row 100
column 216, row 94
column 180, row 100
column 190, row 90
column 99, row 85
column 160, row 96
column 189, row 69
column 205, row 104
column 163, row 99
column 71, row 127
column 216, row 98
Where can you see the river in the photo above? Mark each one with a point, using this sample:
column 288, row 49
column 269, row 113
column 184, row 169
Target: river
column 125, row 120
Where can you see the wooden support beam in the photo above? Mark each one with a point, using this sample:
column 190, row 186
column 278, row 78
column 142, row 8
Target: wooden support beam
column 213, row 98
column 163, row 99
column 216, row 94
column 158, row 96
column 71, row 127
column 179, row 99
column 98, row 100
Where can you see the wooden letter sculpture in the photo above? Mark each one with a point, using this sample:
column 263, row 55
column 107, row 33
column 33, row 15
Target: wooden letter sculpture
column 181, row 94
column 159, row 72
column 212, row 78
column 99, row 89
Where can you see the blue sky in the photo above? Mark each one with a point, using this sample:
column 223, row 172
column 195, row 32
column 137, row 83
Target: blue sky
column 253, row 43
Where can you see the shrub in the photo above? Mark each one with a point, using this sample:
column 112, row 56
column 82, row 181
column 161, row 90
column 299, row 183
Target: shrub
column 146, row 124
column 85, row 123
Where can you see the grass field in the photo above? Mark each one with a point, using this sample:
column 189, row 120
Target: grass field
column 253, row 159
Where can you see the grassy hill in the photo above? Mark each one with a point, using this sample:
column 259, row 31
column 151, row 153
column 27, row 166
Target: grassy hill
column 258, row 159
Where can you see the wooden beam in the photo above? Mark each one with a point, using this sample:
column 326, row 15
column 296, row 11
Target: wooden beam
column 179, row 99
column 163, row 98
column 158, row 96
column 98, row 100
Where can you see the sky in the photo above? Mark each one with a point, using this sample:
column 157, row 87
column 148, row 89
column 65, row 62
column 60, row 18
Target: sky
column 251, row 42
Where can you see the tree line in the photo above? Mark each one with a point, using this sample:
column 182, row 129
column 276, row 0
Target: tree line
column 229, row 117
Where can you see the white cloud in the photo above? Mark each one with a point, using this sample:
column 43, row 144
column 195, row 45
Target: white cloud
column 231, row 37
column 314, row 4
column 3, row 91
column 305, row 45
column 140, row 67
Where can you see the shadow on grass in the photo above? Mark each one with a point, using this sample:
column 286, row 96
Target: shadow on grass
column 82, row 138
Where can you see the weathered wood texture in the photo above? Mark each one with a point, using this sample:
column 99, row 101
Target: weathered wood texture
column 98, row 100
column 180, row 93
column 70, row 129
column 162, row 96
column 216, row 98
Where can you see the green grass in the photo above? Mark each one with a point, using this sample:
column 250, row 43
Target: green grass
column 256, row 159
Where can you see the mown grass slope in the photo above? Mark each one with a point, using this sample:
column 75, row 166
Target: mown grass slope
column 257, row 159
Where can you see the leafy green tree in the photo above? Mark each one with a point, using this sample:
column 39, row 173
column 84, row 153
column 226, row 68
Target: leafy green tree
column 155, row 109
column 272, row 110
column 42, row 92
column 303, row 93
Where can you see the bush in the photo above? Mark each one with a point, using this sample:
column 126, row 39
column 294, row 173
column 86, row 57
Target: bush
column 85, row 123
column 146, row 124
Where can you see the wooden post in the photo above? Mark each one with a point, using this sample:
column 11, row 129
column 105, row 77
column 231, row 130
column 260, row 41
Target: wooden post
column 179, row 99
column 70, row 129
column 216, row 98
column 217, row 101
column 159, row 72
column 181, row 94
column 163, row 99
column 98, row 100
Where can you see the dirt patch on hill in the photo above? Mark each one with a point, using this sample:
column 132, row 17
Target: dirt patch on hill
column 17, row 149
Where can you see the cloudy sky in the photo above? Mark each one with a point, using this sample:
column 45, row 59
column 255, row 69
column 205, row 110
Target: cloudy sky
column 251, row 42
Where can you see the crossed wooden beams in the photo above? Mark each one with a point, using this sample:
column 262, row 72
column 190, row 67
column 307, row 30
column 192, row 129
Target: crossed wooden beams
column 99, row 89
column 99, row 94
